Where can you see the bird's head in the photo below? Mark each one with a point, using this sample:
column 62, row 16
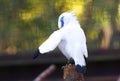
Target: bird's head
column 65, row 18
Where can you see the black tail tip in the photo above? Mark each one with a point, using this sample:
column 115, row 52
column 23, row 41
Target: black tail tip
column 81, row 69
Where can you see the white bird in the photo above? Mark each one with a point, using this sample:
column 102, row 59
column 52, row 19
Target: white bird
column 70, row 39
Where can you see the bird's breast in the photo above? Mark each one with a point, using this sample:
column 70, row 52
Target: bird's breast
column 63, row 48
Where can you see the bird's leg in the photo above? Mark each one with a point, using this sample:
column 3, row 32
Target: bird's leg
column 66, row 65
column 70, row 61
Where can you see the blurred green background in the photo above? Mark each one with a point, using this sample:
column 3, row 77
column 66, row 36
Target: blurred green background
column 25, row 24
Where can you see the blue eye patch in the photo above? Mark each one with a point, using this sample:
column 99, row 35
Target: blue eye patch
column 62, row 21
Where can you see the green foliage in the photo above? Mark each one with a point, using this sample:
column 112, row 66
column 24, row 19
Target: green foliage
column 25, row 24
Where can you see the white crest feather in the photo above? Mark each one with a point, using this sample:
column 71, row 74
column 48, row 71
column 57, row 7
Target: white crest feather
column 69, row 17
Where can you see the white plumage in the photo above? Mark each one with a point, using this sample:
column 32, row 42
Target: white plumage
column 70, row 39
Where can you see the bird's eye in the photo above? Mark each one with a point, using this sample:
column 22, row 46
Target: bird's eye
column 62, row 21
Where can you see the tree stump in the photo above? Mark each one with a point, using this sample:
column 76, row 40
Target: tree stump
column 70, row 73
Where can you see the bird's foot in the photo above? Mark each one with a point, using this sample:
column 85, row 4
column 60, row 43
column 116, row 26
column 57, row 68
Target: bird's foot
column 70, row 61
column 66, row 65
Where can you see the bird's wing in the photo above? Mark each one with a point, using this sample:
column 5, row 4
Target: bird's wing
column 84, row 50
column 51, row 43
column 83, row 44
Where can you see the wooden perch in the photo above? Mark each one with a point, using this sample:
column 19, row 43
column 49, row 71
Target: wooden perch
column 45, row 73
column 70, row 73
